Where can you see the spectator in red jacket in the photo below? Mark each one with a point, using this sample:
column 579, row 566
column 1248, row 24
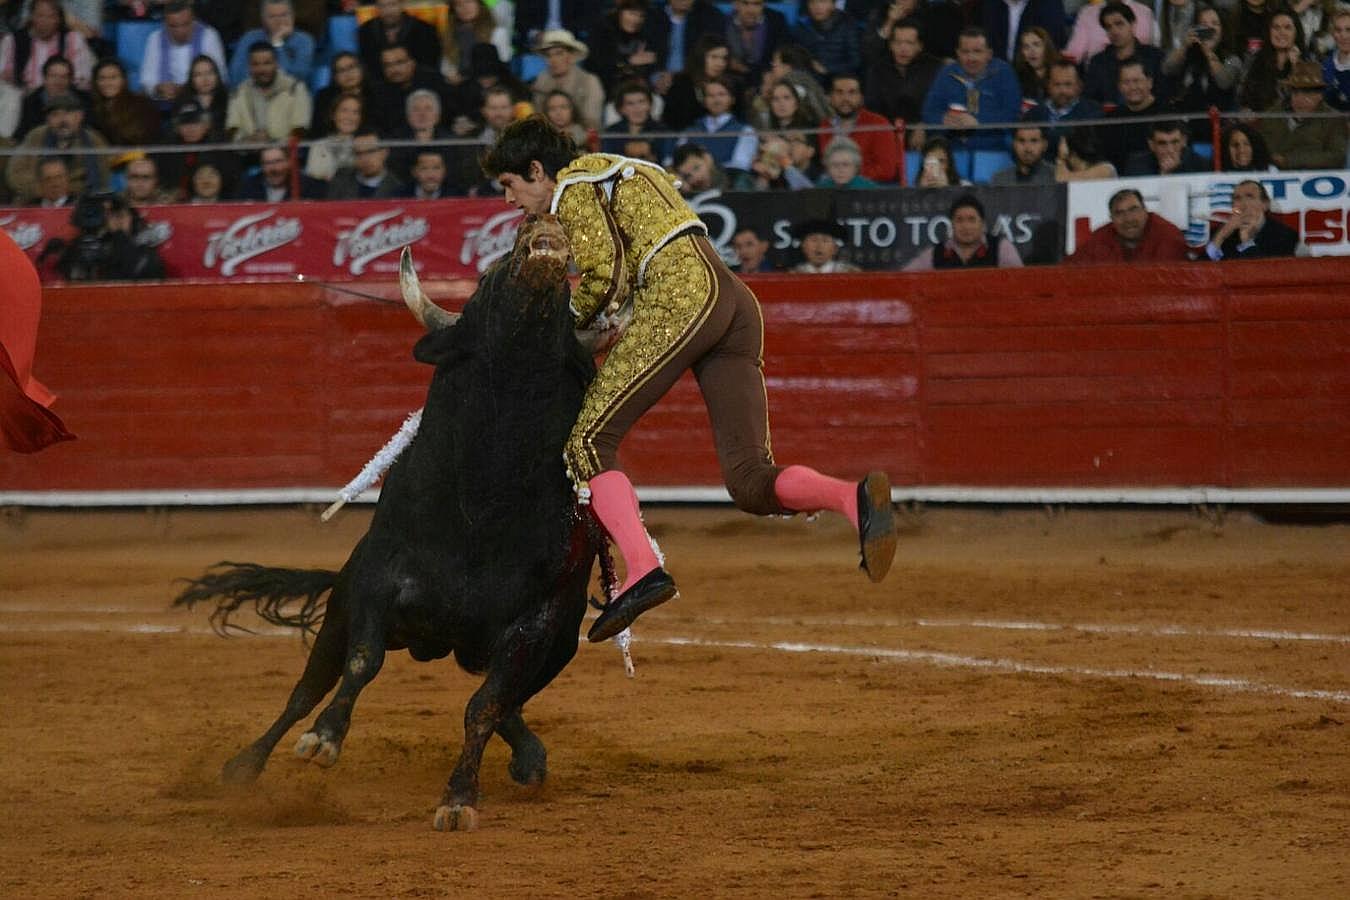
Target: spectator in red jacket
column 871, row 132
column 1133, row 235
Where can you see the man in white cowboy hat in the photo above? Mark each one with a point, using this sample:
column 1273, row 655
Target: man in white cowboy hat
column 1296, row 142
column 562, row 51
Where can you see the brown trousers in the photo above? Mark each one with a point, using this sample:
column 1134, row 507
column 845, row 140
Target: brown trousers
column 690, row 313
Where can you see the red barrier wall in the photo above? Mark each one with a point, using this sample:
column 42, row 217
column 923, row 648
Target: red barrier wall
column 1234, row 375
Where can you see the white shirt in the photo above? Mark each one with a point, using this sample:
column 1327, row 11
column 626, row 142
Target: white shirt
column 1015, row 10
column 180, row 58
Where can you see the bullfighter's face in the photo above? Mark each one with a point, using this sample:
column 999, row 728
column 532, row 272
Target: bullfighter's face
column 539, row 258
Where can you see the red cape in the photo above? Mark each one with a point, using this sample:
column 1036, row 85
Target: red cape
column 26, row 423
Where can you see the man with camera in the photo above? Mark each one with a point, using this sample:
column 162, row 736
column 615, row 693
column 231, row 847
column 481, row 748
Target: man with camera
column 105, row 249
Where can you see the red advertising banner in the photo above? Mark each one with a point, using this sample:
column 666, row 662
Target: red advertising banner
column 326, row 241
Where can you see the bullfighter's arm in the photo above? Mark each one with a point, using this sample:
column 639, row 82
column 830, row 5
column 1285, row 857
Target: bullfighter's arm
column 597, row 249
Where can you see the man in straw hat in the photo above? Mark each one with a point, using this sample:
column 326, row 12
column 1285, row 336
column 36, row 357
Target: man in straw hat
column 562, row 51
column 1296, row 142
column 651, row 279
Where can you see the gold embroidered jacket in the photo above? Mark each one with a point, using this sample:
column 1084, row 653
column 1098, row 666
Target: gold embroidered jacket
column 617, row 212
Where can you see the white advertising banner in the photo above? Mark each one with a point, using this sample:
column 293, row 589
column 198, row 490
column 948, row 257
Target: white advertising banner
column 1315, row 204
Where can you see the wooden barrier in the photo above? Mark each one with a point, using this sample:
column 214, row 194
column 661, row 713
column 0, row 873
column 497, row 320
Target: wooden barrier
column 1234, row 375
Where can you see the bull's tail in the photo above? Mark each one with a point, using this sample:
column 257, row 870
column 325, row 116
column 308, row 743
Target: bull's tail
column 273, row 592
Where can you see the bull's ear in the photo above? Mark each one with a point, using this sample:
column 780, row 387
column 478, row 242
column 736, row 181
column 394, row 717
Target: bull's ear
column 437, row 347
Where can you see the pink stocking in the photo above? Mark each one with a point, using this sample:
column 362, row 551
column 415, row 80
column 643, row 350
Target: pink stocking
column 615, row 504
column 801, row 489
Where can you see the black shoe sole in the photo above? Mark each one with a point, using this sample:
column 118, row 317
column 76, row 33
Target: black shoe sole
column 625, row 609
column 876, row 525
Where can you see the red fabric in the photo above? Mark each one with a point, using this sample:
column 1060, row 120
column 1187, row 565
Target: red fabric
column 1163, row 242
column 26, row 423
column 881, row 160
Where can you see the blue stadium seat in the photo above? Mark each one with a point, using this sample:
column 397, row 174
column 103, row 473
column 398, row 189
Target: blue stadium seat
column 319, row 78
column 341, row 36
column 789, row 11
column 912, row 160
column 986, row 163
column 131, row 39
column 528, row 66
column 1204, row 151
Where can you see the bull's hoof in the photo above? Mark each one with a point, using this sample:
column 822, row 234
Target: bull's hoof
column 317, row 750
column 528, row 772
column 243, row 768
column 455, row 818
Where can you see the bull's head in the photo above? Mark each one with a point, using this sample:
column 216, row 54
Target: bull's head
column 539, row 258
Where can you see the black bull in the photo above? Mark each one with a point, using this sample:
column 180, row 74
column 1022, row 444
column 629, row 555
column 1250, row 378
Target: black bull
column 476, row 547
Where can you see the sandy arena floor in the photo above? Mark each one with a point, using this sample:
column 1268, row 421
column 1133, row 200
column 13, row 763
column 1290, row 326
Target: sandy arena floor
column 1044, row 703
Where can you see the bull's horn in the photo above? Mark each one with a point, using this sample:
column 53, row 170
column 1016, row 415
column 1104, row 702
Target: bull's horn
column 429, row 314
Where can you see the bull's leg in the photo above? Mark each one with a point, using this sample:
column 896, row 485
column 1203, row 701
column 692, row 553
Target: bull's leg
column 517, row 660
column 529, row 759
column 321, row 673
column 364, row 657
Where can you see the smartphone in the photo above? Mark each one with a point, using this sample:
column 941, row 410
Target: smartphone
column 1203, row 32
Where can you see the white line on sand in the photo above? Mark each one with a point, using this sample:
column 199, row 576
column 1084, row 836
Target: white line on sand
column 1003, row 625
column 951, row 660
column 946, row 660
column 1260, row 634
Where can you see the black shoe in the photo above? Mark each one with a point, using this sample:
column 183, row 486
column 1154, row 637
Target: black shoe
column 876, row 525
column 651, row 590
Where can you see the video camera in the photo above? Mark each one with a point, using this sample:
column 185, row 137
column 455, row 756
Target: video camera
column 98, row 253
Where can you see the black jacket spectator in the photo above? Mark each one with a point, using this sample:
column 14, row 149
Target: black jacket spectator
column 703, row 19
column 254, row 188
column 1104, row 69
column 1274, row 239
column 752, row 49
column 391, row 99
column 612, row 48
column 532, row 19
column 1048, row 14
column 898, row 94
column 1145, row 163
column 345, row 186
column 420, row 38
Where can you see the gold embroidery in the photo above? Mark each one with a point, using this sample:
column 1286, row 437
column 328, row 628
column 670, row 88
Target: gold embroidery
column 679, row 293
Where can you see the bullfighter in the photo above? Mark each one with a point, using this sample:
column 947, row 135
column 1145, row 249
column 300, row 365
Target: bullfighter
column 651, row 280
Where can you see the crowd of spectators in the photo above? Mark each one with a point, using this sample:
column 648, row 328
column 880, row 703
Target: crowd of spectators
column 745, row 95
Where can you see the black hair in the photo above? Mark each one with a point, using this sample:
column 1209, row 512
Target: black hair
column 795, row 56
column 1261, row 189
column 177, row 6
column 684, row 152
column 527, row 141
column 835, row 77
column 58, row 60
column 759, row 231
column 260, row 47
column 1124, row 192
column 631, row 86
column 907, row 22
column 966, row 201
column 974, row 31
column 1119, row 9
column 1260, row 152
column 1167, row 126
column 1084, row 145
